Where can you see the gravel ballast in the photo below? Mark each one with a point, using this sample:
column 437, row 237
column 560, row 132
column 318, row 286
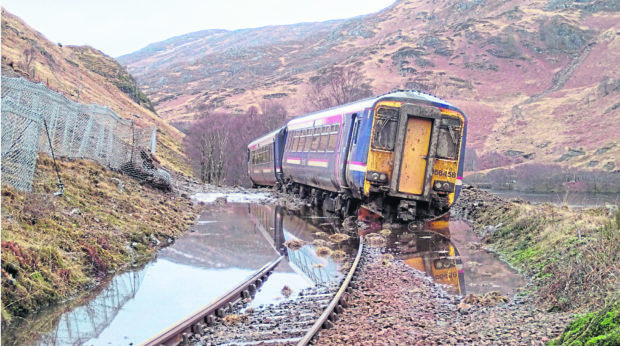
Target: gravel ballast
column 394, row 304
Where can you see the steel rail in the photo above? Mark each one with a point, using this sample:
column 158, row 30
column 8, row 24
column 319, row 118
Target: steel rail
column 205, row 316
column 336, row 305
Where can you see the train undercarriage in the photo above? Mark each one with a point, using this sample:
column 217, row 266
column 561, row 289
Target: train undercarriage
column 377, row 207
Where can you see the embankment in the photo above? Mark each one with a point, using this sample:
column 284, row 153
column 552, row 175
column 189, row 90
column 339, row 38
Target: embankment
column 56, row 247
column 572, row 255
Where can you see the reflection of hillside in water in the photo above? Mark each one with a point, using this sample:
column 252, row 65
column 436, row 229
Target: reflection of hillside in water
column 484, row 271
column 224, row 237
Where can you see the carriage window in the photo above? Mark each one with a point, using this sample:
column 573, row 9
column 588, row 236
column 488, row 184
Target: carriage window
column 295, row 141
column 449, row 138
column 298, row 141
column 308, row 138
column 316, row 136
column 386, row 124
column 333, row 137
column 324, row 138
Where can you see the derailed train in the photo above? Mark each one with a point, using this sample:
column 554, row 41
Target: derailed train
column 398, row 155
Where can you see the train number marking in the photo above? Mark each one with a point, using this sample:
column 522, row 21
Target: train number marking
column 443, row 173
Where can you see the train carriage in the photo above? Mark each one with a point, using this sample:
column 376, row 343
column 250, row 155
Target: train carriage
column 406, row 158
column 399, row 154
column 265, row 158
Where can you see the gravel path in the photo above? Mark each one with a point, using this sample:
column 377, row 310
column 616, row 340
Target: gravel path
column 394, row 304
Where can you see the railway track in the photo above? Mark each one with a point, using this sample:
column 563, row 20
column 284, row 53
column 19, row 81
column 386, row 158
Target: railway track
column 291, row 322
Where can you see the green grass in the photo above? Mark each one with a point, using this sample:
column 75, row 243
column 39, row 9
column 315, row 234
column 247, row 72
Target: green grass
column 596, row 328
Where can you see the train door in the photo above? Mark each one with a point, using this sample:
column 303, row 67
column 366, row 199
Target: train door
column 415, row 150
column 346, row 148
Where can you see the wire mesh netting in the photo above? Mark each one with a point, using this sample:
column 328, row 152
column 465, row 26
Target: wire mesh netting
column 36, row 119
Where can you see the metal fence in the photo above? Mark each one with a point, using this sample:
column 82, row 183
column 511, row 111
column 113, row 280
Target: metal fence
column 36, row 119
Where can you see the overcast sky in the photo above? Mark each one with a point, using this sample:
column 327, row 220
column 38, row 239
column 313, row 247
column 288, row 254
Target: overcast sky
column 119, row 27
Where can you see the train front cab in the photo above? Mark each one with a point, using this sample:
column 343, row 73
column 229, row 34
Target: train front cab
column 415, row 157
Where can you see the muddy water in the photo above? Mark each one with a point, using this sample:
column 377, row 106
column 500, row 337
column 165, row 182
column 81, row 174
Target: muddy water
column 228, row 244
column 450, row 254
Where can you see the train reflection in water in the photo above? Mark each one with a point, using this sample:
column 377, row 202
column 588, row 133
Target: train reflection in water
column 435, row 255
column 429, row 251
column 281, row 226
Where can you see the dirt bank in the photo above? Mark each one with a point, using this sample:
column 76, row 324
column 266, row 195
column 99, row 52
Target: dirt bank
column 56, row 247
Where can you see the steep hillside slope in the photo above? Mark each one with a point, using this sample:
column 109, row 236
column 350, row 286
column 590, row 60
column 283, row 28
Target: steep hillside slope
column 539, row 80
column 85, row 75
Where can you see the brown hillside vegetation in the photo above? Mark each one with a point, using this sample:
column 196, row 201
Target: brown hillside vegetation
column 85, row 75
column 54, row 247
column 539, row 80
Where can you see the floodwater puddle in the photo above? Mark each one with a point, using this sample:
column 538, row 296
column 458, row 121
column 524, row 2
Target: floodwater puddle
column 229, row 242
column 449, row 253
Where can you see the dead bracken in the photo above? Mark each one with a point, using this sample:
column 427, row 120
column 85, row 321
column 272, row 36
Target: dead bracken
column 234, row 319
column 338, row 255
column 323, row 251
column 489, row 299
column 294, row 244
column 319, row 242
column 385, row 232
column 376, row 240
column 338, row 237
column 386, row 259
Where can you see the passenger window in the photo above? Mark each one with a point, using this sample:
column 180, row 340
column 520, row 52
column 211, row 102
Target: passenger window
column 324, row 138
column 333, row 137
column 384, row 132
column 308, row 139
column 316, row 137
column 300, row 142
column 449, row 138
column 295, row 141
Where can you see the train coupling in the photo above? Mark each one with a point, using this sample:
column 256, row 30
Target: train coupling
column 407, row 210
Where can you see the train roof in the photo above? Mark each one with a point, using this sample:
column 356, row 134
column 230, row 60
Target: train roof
column 266, row 139
column 397, row 95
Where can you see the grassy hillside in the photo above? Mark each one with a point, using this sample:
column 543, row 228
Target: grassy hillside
column 56, row 247
column 85, row 75
column 572, row 256
column 538, row 79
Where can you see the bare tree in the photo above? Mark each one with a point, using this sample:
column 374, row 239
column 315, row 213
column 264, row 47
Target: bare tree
column 336, row 86
column 216, row 143
column 29, row 54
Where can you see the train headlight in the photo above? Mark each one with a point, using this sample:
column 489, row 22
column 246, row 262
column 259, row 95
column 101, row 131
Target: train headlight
column 443, row 186
column 376, row 177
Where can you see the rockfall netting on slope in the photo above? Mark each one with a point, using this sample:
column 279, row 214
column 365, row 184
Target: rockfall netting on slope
column 36, row 119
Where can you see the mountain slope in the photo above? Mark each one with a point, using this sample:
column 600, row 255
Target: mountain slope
column 539, row 80
column 85, row 75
